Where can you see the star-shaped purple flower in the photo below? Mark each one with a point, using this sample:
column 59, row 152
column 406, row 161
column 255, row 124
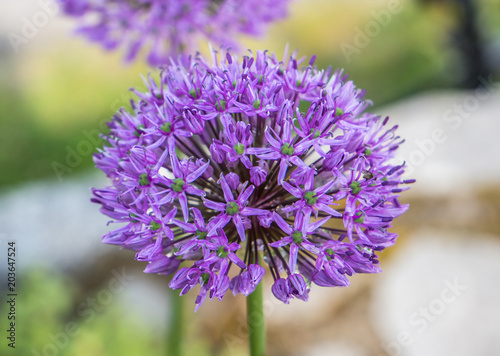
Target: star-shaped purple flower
column 282, row 147
column 181, row 184
column 312, row 200
column 233, row 209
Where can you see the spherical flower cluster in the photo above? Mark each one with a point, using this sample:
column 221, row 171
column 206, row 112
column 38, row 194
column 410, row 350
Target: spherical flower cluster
column 171, row 27
column 219, row 170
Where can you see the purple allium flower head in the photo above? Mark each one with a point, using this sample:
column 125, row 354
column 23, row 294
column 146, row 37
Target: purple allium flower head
column 221, row 169
column 167, row 28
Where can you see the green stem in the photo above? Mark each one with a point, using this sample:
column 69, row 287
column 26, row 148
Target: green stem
column 175, row 330
column 256, row 322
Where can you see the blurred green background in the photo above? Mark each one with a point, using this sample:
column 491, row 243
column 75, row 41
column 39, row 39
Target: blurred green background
column 59, row 87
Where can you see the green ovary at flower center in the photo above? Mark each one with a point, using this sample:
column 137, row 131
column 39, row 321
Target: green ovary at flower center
column 205, row 277
column 154, row 225
column 239, row 148
column 232, row 208
column 314, row 132
column 287, row 150
column 193, row 93
column 297, row 237
column 222, row 252
column 359, row 217
column 201, row 234
column 139, row 130
column 310, row 198
column 143, row 179
column 355, row 187
column 256, row 104
column 178, row 185
column 221, row 106
column 167, row 127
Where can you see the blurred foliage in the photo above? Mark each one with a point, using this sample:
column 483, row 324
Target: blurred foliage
column 46, row 107
column 45, row 309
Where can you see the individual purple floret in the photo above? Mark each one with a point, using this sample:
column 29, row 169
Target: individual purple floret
column 165, row 28
column 221, row 169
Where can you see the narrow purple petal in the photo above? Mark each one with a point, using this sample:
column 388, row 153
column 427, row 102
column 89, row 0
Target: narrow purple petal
column 198, row 218
column 309, row 184
column 271, row 140
column 282, row 224
column 184, row 206
column 184, row 225
column 235, row 259
column 282, row 172
column 287, row 132
column 239, row 226
column 283, row 242
column 176, row 169
column 170, row 215
column 246, row 162
column 220, row 221
column 296, row 192
column 311, row 228
column 328, row 210
column 228, row 194
column 292, row 259
column 197, row 173
column 325, row 188
column 258, row 150
column 195, row 191
column 214, row 205
column 253, row 211
column 269, row 155
column 246, row 194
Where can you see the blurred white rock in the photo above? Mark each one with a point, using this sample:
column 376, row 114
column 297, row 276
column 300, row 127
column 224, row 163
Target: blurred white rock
column 54, row 224
column 451, row 138
column 335, row 349
column 439, row 296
